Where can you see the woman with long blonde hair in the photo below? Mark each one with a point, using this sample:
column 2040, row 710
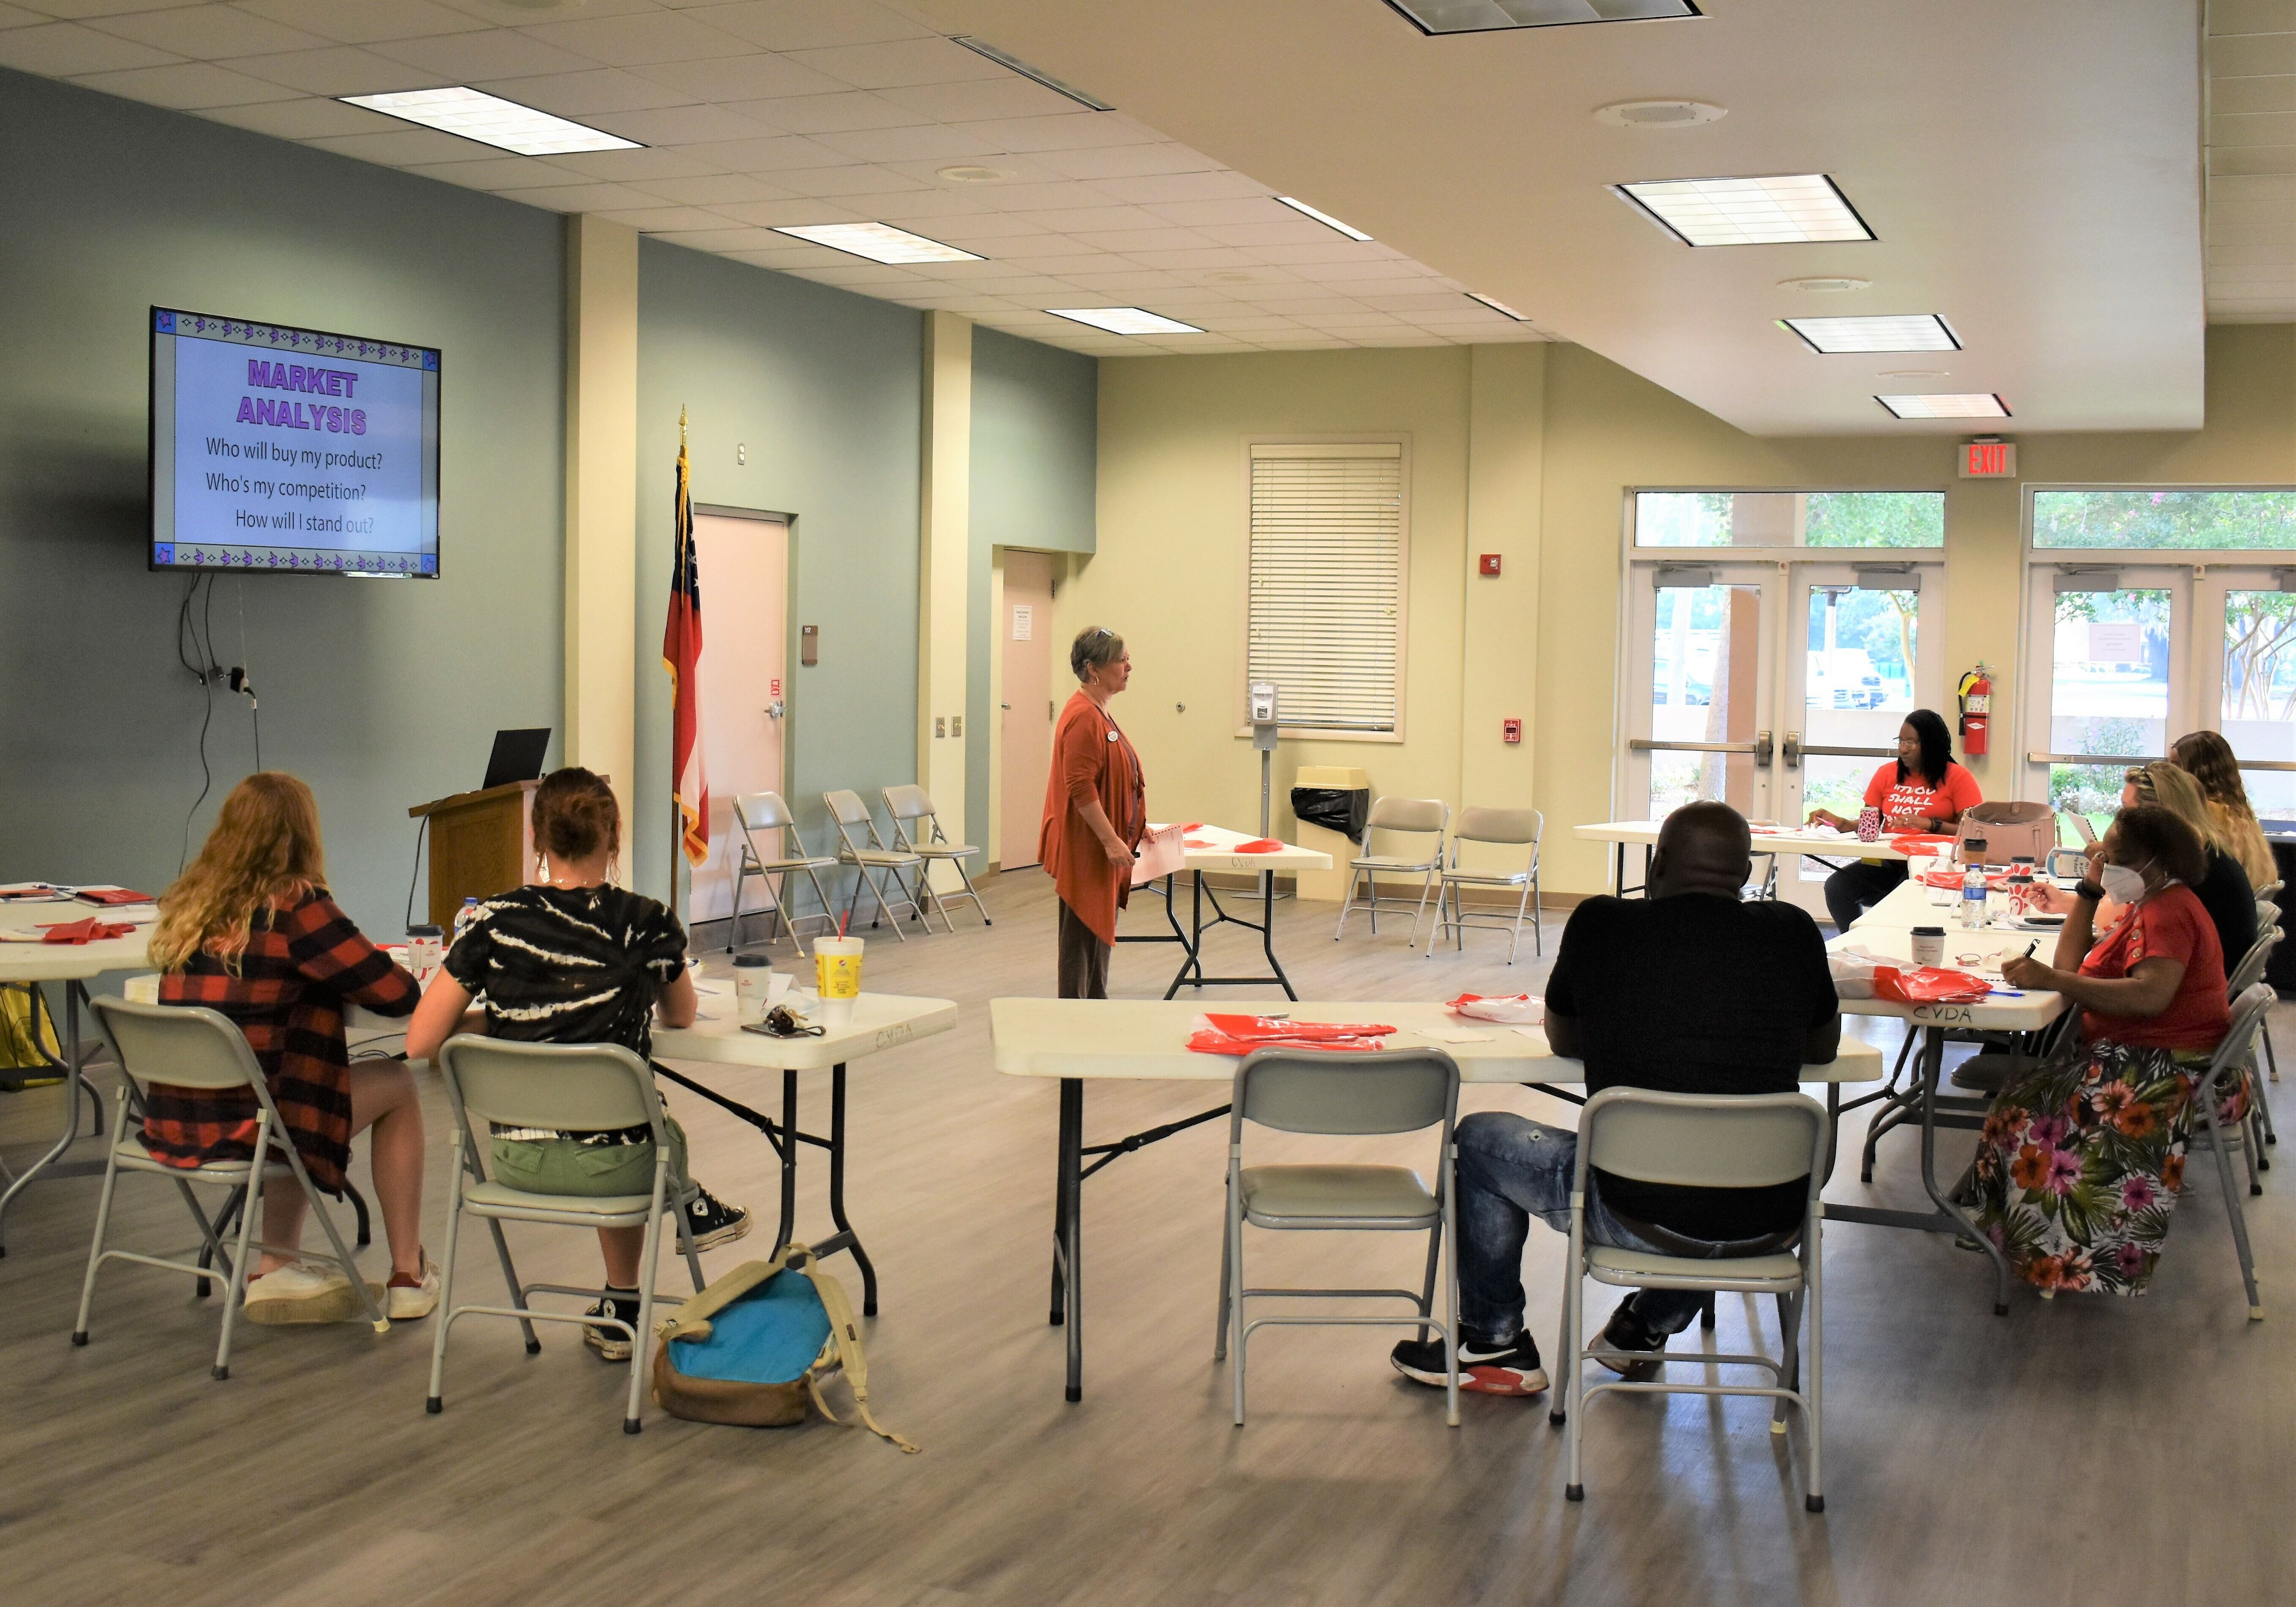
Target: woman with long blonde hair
column 2210, row 760
column 249, row 930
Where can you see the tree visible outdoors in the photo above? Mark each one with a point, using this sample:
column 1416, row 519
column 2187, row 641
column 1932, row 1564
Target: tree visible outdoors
column 2259, row 631
column 1831, row 518
column 2186, row 520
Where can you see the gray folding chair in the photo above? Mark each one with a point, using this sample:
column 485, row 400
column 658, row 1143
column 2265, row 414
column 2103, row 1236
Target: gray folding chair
column 1511, row 828
column 2233, row 1061
column 1699, row 1141
column 763, row 812
column 570, row 1088
column 871, row 859
column 916, row 830
column 1397, row 1091
column 2246, row 974
column 188, row 1046
column 1405, row 816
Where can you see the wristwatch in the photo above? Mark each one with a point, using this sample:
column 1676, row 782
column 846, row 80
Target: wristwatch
column 2089, row 891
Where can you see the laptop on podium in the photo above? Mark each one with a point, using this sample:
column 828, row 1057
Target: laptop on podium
column 517, row 757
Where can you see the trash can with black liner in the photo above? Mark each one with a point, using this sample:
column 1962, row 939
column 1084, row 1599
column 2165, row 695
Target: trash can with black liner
column 1331, row 803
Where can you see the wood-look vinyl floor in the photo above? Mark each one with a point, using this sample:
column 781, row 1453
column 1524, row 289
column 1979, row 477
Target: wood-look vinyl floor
column 2081, row 1450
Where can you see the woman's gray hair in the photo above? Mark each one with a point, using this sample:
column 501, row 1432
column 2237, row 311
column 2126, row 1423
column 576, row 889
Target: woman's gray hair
column 1096, row 647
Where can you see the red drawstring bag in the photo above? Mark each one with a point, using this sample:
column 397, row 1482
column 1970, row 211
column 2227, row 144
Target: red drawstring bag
column 1242, row 1034
column 1929, row 984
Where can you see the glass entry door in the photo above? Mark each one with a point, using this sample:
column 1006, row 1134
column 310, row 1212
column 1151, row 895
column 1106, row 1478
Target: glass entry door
column 1776, row 687
column 2109, row 679
column 2244, row 663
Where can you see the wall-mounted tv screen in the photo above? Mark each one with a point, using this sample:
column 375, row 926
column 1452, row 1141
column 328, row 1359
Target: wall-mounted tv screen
column 293, row 451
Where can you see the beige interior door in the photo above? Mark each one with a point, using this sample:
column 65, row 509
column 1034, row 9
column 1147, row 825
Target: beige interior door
column 1023, row 632
column 743, row 674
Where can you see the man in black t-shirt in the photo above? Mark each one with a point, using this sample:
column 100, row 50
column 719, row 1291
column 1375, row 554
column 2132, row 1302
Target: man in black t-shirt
column 1691, row 990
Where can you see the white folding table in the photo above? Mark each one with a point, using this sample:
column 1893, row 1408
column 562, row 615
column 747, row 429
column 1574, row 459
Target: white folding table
column 1219, row 855
column 880, row 1021
column 1143, row 1040
column 1815, row 842
column 31, row 964
column 1886, row 932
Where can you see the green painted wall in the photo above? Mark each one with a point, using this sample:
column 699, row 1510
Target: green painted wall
column 824, row 388
column 379, row 693
column 1036, row 429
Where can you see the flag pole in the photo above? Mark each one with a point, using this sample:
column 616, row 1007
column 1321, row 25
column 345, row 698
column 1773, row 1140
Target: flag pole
column 677, row 819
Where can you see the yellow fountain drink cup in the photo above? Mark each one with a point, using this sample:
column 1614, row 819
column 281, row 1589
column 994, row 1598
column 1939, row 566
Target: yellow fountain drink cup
column 837, row 978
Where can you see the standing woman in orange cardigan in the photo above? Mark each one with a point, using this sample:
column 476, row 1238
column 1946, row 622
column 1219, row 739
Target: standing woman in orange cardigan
column 1095, row 813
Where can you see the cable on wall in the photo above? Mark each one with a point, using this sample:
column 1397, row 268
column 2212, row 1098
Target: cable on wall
column 187, row 627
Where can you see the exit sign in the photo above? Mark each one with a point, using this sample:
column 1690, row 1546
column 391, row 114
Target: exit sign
column 1988, row 460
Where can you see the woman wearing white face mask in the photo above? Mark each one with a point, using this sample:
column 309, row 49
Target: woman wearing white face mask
column 2082, row 1154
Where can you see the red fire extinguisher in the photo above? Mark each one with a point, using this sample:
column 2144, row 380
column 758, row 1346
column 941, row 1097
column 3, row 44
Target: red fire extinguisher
column 1976, row 693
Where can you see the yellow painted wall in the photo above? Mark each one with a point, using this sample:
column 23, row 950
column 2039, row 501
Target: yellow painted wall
column 1530, row 451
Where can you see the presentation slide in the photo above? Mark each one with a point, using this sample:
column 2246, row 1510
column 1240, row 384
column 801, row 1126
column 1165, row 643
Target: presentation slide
column 292, row 449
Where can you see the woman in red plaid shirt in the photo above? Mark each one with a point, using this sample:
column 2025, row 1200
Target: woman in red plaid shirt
column 249, row 932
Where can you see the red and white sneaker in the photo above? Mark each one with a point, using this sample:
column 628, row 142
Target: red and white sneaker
column 1486, row 1366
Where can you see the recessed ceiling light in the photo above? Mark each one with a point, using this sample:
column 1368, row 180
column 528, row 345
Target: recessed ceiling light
column 1659, row 114
column 1497, row 307
column 981, row 47
column 1325, row 218
column 1916, row 332
column 976, row 176
column 1124, row 320
column 491, row 120
column 1973, row 405
column 1482, row 16
column 1825, row 284
column 1789, row 208
column 879, row 243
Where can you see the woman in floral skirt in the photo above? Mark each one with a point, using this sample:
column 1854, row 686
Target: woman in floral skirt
column 2083, row 1155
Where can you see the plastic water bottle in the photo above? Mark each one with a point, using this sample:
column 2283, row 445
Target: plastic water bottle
column 1972, row 895
column 465, row 918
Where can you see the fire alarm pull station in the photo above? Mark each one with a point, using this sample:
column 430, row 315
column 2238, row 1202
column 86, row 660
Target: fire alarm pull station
column 1511, row 731
column 1490, row 564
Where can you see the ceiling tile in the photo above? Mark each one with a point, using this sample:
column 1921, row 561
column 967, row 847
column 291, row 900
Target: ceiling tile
column 929, row 143
column 2251, row 16
column 188, row 87
column 364, row 22
column 517, row 13
column 1314, row 253
column 1011, row 96
column 975, row 226
column 339, row 70
column 1296, row 231
column 1130, row 281
column 855, row 180
column 715, row 189
column 809, row 25
column 738, row 76
column 71, row 9
column 2260, row 186
column 858, row 270
column 207, row 32
column 1163, row 237
column 585, row 94
column 767, row 154
column 1183, row 186
column 647, row 167
column 1126, row 161
column 1038, row 198
column 2251, row 53
column 642, row 39
column 1201, row 257
column 936, row 206
column 2253, row 158
column 1071, row 131
column 1238, row 210
column 2263, row 128
column 720, row 239
column 828, row 113
column 498, row 53
column 303, row 119
column 654, row 220
column 680, row 125
column 13, row 17
column 1071, row 219
column 779, row 214
column 404, row 147
column 888, row 65
column 582, row 198
column 64, row 49
column 2274, row 93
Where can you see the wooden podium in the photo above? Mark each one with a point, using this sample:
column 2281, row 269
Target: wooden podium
column 481, row 844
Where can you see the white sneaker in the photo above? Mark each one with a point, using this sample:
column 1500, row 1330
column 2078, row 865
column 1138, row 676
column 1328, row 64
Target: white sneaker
column 301, row 1293
column 408, row 1301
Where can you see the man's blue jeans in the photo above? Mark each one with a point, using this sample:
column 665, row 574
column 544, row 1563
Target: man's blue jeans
column 1511, row 1169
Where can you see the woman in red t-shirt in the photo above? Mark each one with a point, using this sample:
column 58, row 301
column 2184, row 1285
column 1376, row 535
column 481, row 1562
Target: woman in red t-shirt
column 1921, row 789
column 2082, row 1154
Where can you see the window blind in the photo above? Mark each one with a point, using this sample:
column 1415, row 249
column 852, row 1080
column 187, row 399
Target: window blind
column 1327, row 581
